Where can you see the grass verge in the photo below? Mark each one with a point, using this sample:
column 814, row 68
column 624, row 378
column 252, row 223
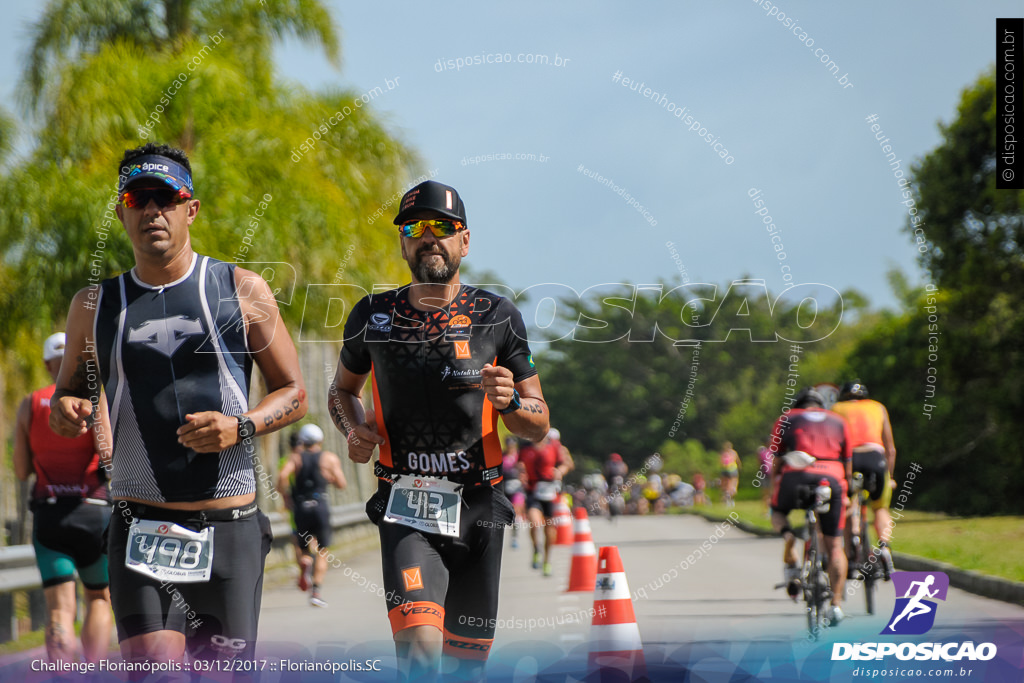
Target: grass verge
column 987, row 545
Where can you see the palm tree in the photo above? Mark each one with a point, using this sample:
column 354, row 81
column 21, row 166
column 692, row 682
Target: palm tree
column 71, row 29
column 105, row 75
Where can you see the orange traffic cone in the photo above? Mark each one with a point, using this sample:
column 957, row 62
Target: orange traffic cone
column 583, row 572
column 563, row 522
column 615, row 646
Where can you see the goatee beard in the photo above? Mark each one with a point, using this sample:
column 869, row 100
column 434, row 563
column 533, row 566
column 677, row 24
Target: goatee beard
column 435, row 275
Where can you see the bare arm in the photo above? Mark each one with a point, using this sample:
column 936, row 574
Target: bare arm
column 282, row 479
column 888, row 442
column 529, row 422
column 330, row 466
column 77, row 395
column 22, row 448
column 274, row 353
column 346, row 409
column 102, row 435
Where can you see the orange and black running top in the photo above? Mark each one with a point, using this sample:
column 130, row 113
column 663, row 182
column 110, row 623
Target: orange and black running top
column 430, row 407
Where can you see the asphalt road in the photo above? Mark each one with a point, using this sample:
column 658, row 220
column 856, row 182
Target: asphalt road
column 703, row 598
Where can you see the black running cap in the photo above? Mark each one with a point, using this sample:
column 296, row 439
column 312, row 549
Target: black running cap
column 430, row 196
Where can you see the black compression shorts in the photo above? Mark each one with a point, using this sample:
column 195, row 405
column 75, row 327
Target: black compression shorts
column 875, row 467
column 796, row 491
column 546, row 507
column 313, row 520
column 447, row 582
column 73, row 528
column 218, row 617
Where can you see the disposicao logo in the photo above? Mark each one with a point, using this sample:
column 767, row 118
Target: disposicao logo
column 914, row 613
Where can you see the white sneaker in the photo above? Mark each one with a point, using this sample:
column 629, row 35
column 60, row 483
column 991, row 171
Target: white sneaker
column 836, row 615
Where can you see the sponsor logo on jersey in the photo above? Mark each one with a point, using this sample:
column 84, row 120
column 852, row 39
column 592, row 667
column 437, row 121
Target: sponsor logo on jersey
column 166, row 335
column 413, row 579
column 449, row 371
column 462, row 350
column 460, row 321
column 380, row 322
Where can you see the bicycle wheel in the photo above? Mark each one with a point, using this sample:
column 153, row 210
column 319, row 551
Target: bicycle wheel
column 868, row 570
column 812, row 585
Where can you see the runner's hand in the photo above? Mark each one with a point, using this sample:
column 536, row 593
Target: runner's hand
column 363, row 439
column 71, row 417
column 208, row 432
column 497, row 384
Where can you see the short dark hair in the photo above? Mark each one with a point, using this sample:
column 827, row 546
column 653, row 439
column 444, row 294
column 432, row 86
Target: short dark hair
column 152, row 148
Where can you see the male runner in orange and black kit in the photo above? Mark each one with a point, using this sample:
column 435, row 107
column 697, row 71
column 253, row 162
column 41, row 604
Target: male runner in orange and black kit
column 822, row 434
column 447, row 359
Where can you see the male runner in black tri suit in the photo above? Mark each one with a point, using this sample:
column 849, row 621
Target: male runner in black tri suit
column 446, row 358
column 173, row 342
column 313, row 469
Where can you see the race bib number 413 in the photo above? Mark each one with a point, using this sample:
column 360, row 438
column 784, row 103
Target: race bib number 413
column 166, row 551
column 425, row 503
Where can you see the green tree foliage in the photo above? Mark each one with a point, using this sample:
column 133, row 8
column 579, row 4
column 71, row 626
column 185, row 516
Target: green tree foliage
column 621, row 381
column 108, row 75
column 950, row 367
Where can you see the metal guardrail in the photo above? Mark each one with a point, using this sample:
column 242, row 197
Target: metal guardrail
column 19, row 573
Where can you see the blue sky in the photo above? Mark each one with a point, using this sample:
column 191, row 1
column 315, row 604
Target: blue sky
column 793, row 131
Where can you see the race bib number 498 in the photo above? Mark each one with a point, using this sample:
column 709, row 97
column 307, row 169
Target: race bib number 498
column 166, row 551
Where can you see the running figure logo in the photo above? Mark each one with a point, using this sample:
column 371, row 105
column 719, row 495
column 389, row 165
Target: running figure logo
column 914, row 614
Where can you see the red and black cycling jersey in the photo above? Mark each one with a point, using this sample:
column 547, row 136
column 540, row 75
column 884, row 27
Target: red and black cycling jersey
column 816, row 431
column 430, row 407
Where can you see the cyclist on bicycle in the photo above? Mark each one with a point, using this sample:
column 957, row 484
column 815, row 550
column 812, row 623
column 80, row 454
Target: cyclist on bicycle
column 874, row 455
column 820, row 433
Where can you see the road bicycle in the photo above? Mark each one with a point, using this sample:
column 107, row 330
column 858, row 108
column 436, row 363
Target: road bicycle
column 866, row 565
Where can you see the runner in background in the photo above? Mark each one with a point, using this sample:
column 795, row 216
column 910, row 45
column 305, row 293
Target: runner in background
column 71, row 510
column 313, row 469
column 545, row 465
column 513, row 473
column 615, row 471
column 730, row 464
column 766, row 461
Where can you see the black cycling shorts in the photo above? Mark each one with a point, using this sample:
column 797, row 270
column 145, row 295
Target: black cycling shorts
column 796, row 492
column 447, row 582
column 875, row 467
column 219, row 617
column 68, row 535
column 312, row 520
column 546, row 507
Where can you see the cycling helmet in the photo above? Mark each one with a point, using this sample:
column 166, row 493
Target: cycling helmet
column 853, row 390
column 809, row 398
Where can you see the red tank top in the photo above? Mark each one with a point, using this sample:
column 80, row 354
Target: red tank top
column 64, row 467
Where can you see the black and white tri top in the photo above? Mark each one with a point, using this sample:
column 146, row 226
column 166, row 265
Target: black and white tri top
column 165, row 352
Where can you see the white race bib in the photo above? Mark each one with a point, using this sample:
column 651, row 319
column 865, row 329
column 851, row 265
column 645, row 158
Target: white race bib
column 546, row 490
column 166, row 551
column 427, row 504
